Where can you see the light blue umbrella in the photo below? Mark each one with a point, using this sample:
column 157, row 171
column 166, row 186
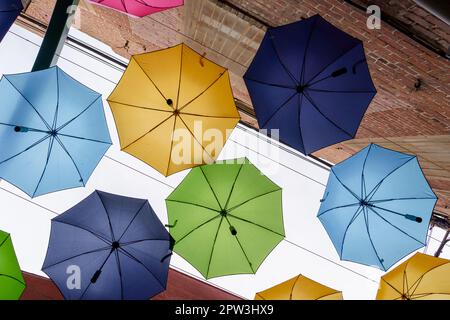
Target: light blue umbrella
column 377, row 206
column 53, row 131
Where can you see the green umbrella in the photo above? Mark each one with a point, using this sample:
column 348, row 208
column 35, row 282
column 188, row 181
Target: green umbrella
column 11, row 279
column 225, row 218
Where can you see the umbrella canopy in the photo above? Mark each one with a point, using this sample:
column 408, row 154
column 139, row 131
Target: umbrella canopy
column 299, row 288
column 230, row 213
column 421, row 277
column 118, row 244
column 139, row 8
column 9, row 11
column 310, row 80
column 12, row 283
column 377, row 206
column 53, row 131
column 173, row 109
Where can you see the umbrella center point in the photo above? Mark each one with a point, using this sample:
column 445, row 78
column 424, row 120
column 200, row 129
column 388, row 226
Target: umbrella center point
column 176, row 112
column 223, row 212
column 300, row 88
column 365, row 203
column 115, row 245
column 53, row 133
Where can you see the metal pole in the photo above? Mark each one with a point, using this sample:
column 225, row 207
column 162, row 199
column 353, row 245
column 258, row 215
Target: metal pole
column 443, row 243
column 56, row 34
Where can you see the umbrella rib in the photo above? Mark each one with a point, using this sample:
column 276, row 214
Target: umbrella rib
column 242, row 249
column 123, row 104
column 329, row 64
column 155, row 7
column 139, row 138
column 101, row 267
column 340, row 91
column 82, row 138
column 357, row 213
column 258, row 196
column 209, row 184
column 196, row 228
column 363, row 182
column 4, row 240
column 302, row 72
column 76, row 256
column 55, row 118
column 270, row 84
column 142, row 240
column 37, row 112
column 107, row 216
column 49, row 151
column 255, row 224
column 87, row 230
column 120, row 273
column 207, row 116
column 420, row 279
column 293, row 286
column 194, row 204
column 76, row 117
column 338, row 207
column 323, row 115
column 179, row 77
column 389, row 174
column 232, row 187
column 366, row 221
column 73, row 161
column 26, row 149
column 212, row 248
column 201, row 93
column 131, row 221
column 171, row 145
column 13, row 278
column 398, row 199
column 390, row 285
column 278, row 109
column 347, row 188
column 150, row 79
column 395, row 226
column 294, row 80
column 327, row 295
column 129, row 255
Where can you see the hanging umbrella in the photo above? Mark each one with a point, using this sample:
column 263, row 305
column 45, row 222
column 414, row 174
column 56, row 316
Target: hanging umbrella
column 9, row 11
column 173, row 109
column 377, row 207
column 299, row 288
column 421, row 277
column 12, row 283
column 115, row 245
column 53, row 131
column 310, row 80
column 139, row 8
column 225, row 218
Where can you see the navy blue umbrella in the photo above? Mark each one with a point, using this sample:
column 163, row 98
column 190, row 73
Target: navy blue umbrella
column 310, row 80
column 108, row 247
column 9, row 10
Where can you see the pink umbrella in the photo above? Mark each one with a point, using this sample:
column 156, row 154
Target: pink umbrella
column 139, row 8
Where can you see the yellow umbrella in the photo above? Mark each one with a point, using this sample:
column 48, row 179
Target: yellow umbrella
column 299, row 288
column 420, row 277
column 173, row 109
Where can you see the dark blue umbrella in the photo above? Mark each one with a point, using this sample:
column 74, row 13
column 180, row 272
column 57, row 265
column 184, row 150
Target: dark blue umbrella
column 310, row 80
column 53, row 131
column 9, row 10
column 377, row 207
column 108, row 247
